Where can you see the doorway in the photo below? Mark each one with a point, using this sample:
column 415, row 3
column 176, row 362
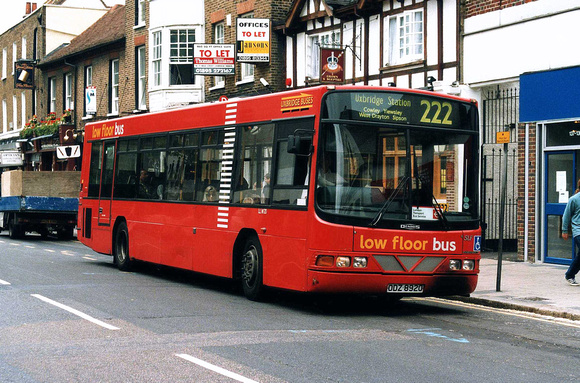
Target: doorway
column 559, row 185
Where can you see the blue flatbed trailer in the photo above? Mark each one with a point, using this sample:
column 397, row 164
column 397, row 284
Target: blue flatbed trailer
column 44, row 215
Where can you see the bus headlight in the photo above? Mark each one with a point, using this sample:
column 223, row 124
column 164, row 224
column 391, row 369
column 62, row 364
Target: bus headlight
column 454, row 264
column 468, row 264
column 342, row 261
column 359, row 262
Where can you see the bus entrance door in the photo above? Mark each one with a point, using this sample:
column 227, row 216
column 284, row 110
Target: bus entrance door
column 106, row 191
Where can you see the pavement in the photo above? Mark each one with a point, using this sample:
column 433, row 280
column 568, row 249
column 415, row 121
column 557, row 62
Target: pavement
column 534, row 287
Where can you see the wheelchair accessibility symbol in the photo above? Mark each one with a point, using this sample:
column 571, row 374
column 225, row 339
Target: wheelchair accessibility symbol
column 477, row 243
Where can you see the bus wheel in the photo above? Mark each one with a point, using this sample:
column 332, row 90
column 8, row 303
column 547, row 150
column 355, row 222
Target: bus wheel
column 252, row 270
column 121, row 248
column 14, row 230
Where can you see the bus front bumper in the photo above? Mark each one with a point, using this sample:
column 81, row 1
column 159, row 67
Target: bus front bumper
column 401, row 285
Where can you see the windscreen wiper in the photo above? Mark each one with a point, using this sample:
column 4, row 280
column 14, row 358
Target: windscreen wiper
column 402, row 184
column 436, row 205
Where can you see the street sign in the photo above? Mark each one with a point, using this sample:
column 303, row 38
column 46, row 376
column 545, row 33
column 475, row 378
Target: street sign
column 502, row 137
column 10, row 158
column 71, row 151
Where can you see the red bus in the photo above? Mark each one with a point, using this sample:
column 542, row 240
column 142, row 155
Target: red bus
column 325, row 189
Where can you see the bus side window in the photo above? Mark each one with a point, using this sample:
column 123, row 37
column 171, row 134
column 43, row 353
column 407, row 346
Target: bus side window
column 126, row 177
column 254, row 164
column 292, row 171
column 211, row 156
column 95, row 172
column 152, row 175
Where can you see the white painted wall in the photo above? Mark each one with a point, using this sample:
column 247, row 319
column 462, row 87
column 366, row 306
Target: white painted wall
column 176, row 12
column 535, row 36
column 65, row 23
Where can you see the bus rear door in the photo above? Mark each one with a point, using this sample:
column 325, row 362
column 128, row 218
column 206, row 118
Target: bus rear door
column 106, row 190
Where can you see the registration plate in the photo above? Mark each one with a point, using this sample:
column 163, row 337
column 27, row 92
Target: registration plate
column 405, row 288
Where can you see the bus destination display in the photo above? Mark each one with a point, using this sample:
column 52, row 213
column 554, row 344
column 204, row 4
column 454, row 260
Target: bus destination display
column 397, row 108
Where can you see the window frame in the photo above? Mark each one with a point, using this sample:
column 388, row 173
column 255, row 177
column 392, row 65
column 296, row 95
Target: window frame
column 328, row 39
column 4, row 116
column 180, row 60
column 68, row 91
column 140, row 13
column 114, row 87
column 141, row 78
column 51, row 94
column 14, row 112
column 399, row 47
column 219, row 38
column 157, row 58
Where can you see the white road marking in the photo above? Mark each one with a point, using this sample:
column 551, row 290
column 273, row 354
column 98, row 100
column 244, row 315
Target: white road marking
column 215, row 368
column 4, row 283
column 89, row 258
column 523, row 314
column 50, row 251
column 75, row 312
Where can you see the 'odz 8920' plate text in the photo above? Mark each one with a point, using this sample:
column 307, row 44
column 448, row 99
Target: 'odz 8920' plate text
column 405, row 288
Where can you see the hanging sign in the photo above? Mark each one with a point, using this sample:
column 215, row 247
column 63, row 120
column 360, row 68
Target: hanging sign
column 91, row 99
column 331, row 66
column 214, row 59
column 253, row 40
column 24, row 74
column 71, row 151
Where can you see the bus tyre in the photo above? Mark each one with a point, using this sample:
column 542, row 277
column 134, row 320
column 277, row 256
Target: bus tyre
column 252, row 270
column 14, row 230
column 121, row 248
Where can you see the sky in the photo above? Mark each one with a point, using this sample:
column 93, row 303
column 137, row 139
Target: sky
column 14, row 10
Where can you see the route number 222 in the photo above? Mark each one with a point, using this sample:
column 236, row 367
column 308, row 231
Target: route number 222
column 436, row 112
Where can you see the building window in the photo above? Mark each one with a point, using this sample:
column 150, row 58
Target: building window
column 315, row 42
column 443, row 176
column 4, row 60
column 4, row 117
column 14, row 112
column 141, row 79
column 140, row 13
column 52, row 94
column 219, row 38
column 247, row 71
column 23, row 108
column 23, row 51
column 181, row 57
column 156, row 58
column 14, row 55
column 405, row 37
column 114, row 87
column 68, row 91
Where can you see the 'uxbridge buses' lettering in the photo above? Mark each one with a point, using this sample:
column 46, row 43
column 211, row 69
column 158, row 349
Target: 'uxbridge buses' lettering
column 106, row 131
